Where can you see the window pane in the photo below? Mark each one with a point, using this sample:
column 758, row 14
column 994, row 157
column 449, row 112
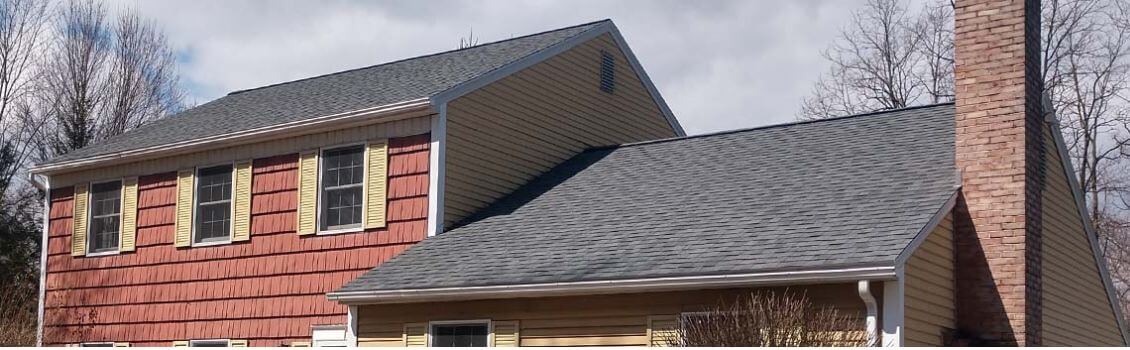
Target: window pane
column 213, row 204
column 342, row 175
column 105, row 216
column 459, row 335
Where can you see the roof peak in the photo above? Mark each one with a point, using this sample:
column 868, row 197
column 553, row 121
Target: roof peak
column 421, row 56
column 771, row 126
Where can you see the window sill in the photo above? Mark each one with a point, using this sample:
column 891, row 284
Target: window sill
column 341, row 231
column 209, row 244
column 107, row 253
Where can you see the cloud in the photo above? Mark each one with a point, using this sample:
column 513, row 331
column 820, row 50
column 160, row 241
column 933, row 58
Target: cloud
column 719, row 64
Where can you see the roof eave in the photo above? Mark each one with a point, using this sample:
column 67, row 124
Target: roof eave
column 383, row 113
column 663, row 284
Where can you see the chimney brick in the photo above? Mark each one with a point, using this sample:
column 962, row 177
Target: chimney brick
column 999, row 148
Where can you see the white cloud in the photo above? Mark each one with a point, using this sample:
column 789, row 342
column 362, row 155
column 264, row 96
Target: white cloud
column 720, row 65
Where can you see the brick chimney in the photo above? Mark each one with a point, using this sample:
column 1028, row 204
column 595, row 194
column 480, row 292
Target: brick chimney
column 1000, row 155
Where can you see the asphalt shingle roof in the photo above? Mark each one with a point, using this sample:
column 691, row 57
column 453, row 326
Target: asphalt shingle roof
column 852, row 191
column 346, row 91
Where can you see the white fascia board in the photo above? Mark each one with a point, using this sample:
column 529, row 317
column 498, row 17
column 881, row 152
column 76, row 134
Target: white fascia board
column 606, row 27
column 929, row 228
column 1088, row 226
column 388, row 112
column 782, row 278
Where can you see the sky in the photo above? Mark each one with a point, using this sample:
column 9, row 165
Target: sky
column 720, row 65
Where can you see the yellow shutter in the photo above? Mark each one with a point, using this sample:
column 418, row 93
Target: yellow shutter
column 129, row 216
column 185, row 184
column 121, row 345
column 662, row 330
column 78, row 234
column 415, row 334
column 242, row 201
column 180, row 344
column 300, row 344
column 504, row 333
column 376, row 183
column 237, row 343
column 307, row 192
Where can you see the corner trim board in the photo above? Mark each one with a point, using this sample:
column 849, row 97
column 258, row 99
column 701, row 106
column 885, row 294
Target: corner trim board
column 614, row 286
column 894, row 304
column 46, row 187
column 437, row 158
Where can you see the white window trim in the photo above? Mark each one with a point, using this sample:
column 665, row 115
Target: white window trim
column 196, row 201
column 432, row 324
column 318, row 230
column 192, row 343
column 90, row 216
column 319, row 339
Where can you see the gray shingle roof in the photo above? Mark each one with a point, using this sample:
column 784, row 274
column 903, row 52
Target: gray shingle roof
column 844, row 192
column 340, row 92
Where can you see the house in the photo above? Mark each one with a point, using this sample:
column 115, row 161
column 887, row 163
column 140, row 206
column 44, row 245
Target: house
column 538, row 192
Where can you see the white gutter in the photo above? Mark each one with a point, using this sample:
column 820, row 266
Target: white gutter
column 615, row 286
column 864, row 287
column 44, row 186
column 280, row 130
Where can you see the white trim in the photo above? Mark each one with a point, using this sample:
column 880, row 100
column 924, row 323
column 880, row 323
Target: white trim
column 329, row 335
column 1088, row 226
column 606, row 27
column 46, row 187
column 872, row 322
column 894, row 304
column 922, row 234
column 351, row 326
column 269, row 132
column 615, row 286
column 437, row 155
column 487, row 322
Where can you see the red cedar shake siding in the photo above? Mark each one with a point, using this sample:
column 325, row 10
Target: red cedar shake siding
column 268, row 290
column 1000, row 153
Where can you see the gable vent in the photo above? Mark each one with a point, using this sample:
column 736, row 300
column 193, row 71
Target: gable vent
column 607, row 72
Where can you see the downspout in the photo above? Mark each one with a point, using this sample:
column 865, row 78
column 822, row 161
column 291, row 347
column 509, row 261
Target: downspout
column 44, row 186
column 872, row 312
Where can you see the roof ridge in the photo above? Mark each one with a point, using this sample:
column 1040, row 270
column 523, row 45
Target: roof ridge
column 418, row 57
column 770, row 126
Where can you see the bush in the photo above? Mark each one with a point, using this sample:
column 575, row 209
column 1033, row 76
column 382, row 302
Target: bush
column 769, row 319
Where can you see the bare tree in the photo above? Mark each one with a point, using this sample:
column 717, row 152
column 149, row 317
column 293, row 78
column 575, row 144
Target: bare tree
column 22, row 24
column 107, row 77
column 888, row 57
column 769, row 319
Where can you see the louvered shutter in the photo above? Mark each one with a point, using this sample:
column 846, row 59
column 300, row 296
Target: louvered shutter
column 504, row 333
column 300, row 344
column 129, row 215
column 415, row 334
column 376, row 183
column 80, row 211
column 662, row 330
column 180, row 344
column 121, row 345
column 185, row 183
column 307, row 193
column 241, row 195
column 237, row 343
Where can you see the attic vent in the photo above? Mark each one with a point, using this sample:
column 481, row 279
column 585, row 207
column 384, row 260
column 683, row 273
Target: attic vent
column 607, row 72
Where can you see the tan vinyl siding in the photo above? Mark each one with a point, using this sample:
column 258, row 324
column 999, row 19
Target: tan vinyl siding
column 509, row 132
column 129, row 215
column 573, row 321
column 241, row 220
column 930, row 288
column 78, row 237
column 504, row 333
column 1077, row 311
column 414, row 125
column 662, row 330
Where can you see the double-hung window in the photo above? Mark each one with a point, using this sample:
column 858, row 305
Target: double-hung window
column 213, row 204
column 105, row 216
column 342, row 188
column 471, row 334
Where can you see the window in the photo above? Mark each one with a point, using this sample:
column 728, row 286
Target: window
column 460, row 334
column 96, row 345
column 213, row 205
column 328, row 336
column 343, row 174
column 208, row 343
column 105, row 216
column 607, row 72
